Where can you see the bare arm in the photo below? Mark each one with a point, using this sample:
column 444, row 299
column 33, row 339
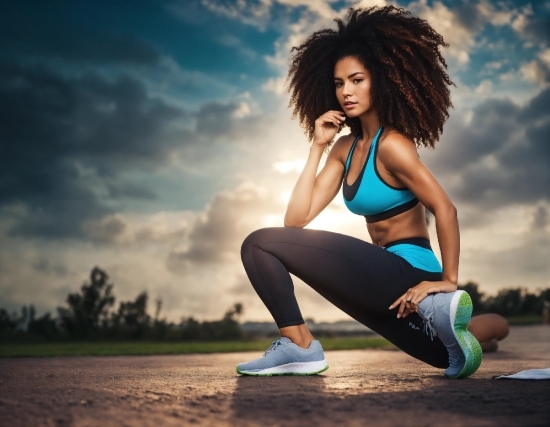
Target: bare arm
column 400, row 158
column 312, row 193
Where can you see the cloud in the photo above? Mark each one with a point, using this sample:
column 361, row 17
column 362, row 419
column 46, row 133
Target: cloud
column 126, row 231
column 217, row 234
column 323, row 9
column 217, row 119
column 541, row 218
column 523, row 265
column 108, row 229
column 70, row 143
column 460, row 23
column 532, row 26
column 67, row 139
column 256, row 13
column 42, row 31
column 538, row 70
column 500, row 157
column 458, row 33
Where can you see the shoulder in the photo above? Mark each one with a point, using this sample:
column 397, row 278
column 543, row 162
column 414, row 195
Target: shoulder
column 341, row 147
column 396, row 150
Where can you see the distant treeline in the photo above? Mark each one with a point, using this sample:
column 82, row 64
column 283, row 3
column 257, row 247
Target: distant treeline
column 89, row 316
column 508, row 302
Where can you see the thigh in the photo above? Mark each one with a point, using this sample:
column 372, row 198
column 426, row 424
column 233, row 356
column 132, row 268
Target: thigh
column 342, row 268
column 408, row 334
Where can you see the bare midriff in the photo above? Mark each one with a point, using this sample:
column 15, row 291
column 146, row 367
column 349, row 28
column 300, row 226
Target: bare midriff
column 411, row 223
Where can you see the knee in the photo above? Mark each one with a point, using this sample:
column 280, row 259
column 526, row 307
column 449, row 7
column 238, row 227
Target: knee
column 256, row 238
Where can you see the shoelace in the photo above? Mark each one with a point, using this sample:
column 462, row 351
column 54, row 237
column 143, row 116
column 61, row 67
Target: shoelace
column 273, row 346
column 429, row 328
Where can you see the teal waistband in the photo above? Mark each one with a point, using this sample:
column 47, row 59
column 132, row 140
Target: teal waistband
column 417, row 256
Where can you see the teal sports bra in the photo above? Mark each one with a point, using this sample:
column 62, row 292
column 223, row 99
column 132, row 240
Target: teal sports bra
column 369, row 195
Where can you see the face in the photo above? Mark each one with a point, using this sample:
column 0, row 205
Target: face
column 353, row 82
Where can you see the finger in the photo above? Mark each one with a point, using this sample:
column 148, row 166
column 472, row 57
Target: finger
column 402, row 308
column 416, row 300
column 403, row 305
column 409, row 297
column 396, row 302
column 408, row 308
column 339, row 115
column 329, row 122
column 334, row 119
column 418, row 297
column 325, row 118
column 337, row 119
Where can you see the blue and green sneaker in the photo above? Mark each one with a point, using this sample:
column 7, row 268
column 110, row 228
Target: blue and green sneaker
column 284, row 357
column 446, row 315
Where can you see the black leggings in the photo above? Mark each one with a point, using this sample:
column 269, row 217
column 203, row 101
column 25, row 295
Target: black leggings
column 359, row 278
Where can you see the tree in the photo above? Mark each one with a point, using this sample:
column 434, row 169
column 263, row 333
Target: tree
column 89, row 309
column 43, row 326
column 134, row 313
column 132, row 319
column 507, row 302
column 235, row 311
column 8, row 323
column 225, row 329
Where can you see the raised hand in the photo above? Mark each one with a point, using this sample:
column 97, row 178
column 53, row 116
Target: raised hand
column 327, row 126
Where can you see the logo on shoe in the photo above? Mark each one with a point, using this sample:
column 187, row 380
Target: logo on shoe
column 413, row 326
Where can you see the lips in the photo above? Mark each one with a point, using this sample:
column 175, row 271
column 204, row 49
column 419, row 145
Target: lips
column 350, row 104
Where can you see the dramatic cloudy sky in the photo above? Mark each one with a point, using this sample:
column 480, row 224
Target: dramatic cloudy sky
column 150, row 137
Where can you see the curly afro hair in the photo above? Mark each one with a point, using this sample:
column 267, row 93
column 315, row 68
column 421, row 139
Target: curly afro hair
column 409, row 82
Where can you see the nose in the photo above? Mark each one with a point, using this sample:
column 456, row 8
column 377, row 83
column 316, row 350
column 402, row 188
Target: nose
column 346, row 89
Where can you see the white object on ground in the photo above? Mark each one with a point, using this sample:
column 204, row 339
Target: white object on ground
column 531, row 374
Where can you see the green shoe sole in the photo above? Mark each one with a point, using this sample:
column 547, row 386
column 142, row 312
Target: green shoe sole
column 468, row 343
column 279, row 374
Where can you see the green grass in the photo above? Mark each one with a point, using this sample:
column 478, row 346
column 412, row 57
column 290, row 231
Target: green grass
column 150, row 348
column 524, row 319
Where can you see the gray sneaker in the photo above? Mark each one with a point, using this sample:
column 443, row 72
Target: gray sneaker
column 446, row 315
column 284, row 357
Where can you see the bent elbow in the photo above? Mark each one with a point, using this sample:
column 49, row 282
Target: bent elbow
column 453, row 210
column 290, row 223
column 447, row 210
column 293, row 224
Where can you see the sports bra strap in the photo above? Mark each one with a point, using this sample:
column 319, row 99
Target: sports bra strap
column 351, row 151
column 373, row 145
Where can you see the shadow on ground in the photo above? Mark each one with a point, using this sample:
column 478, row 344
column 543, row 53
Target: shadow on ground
column 363, row 387
column 474, row 402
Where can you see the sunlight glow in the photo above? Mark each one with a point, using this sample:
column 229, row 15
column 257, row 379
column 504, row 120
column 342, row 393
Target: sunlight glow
column 285, row 167
column 285, row 196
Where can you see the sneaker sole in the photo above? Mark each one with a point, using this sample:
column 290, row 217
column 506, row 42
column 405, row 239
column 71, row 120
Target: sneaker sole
column 297, row 368
column 461, row 312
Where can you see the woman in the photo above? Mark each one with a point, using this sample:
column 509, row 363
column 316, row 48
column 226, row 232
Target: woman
column 382, row 68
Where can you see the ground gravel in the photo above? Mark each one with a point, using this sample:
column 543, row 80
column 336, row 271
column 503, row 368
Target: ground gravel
column 361, row 388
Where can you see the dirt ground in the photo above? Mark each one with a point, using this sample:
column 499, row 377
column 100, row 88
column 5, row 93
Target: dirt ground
column 362, row 387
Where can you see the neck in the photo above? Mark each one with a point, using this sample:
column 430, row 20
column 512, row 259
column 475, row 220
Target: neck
column 369, row 124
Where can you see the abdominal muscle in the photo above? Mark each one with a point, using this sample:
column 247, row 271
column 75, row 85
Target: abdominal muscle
column 411, row 223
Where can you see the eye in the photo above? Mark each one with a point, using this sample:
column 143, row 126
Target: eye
column 338, row 84
column 357, row 80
